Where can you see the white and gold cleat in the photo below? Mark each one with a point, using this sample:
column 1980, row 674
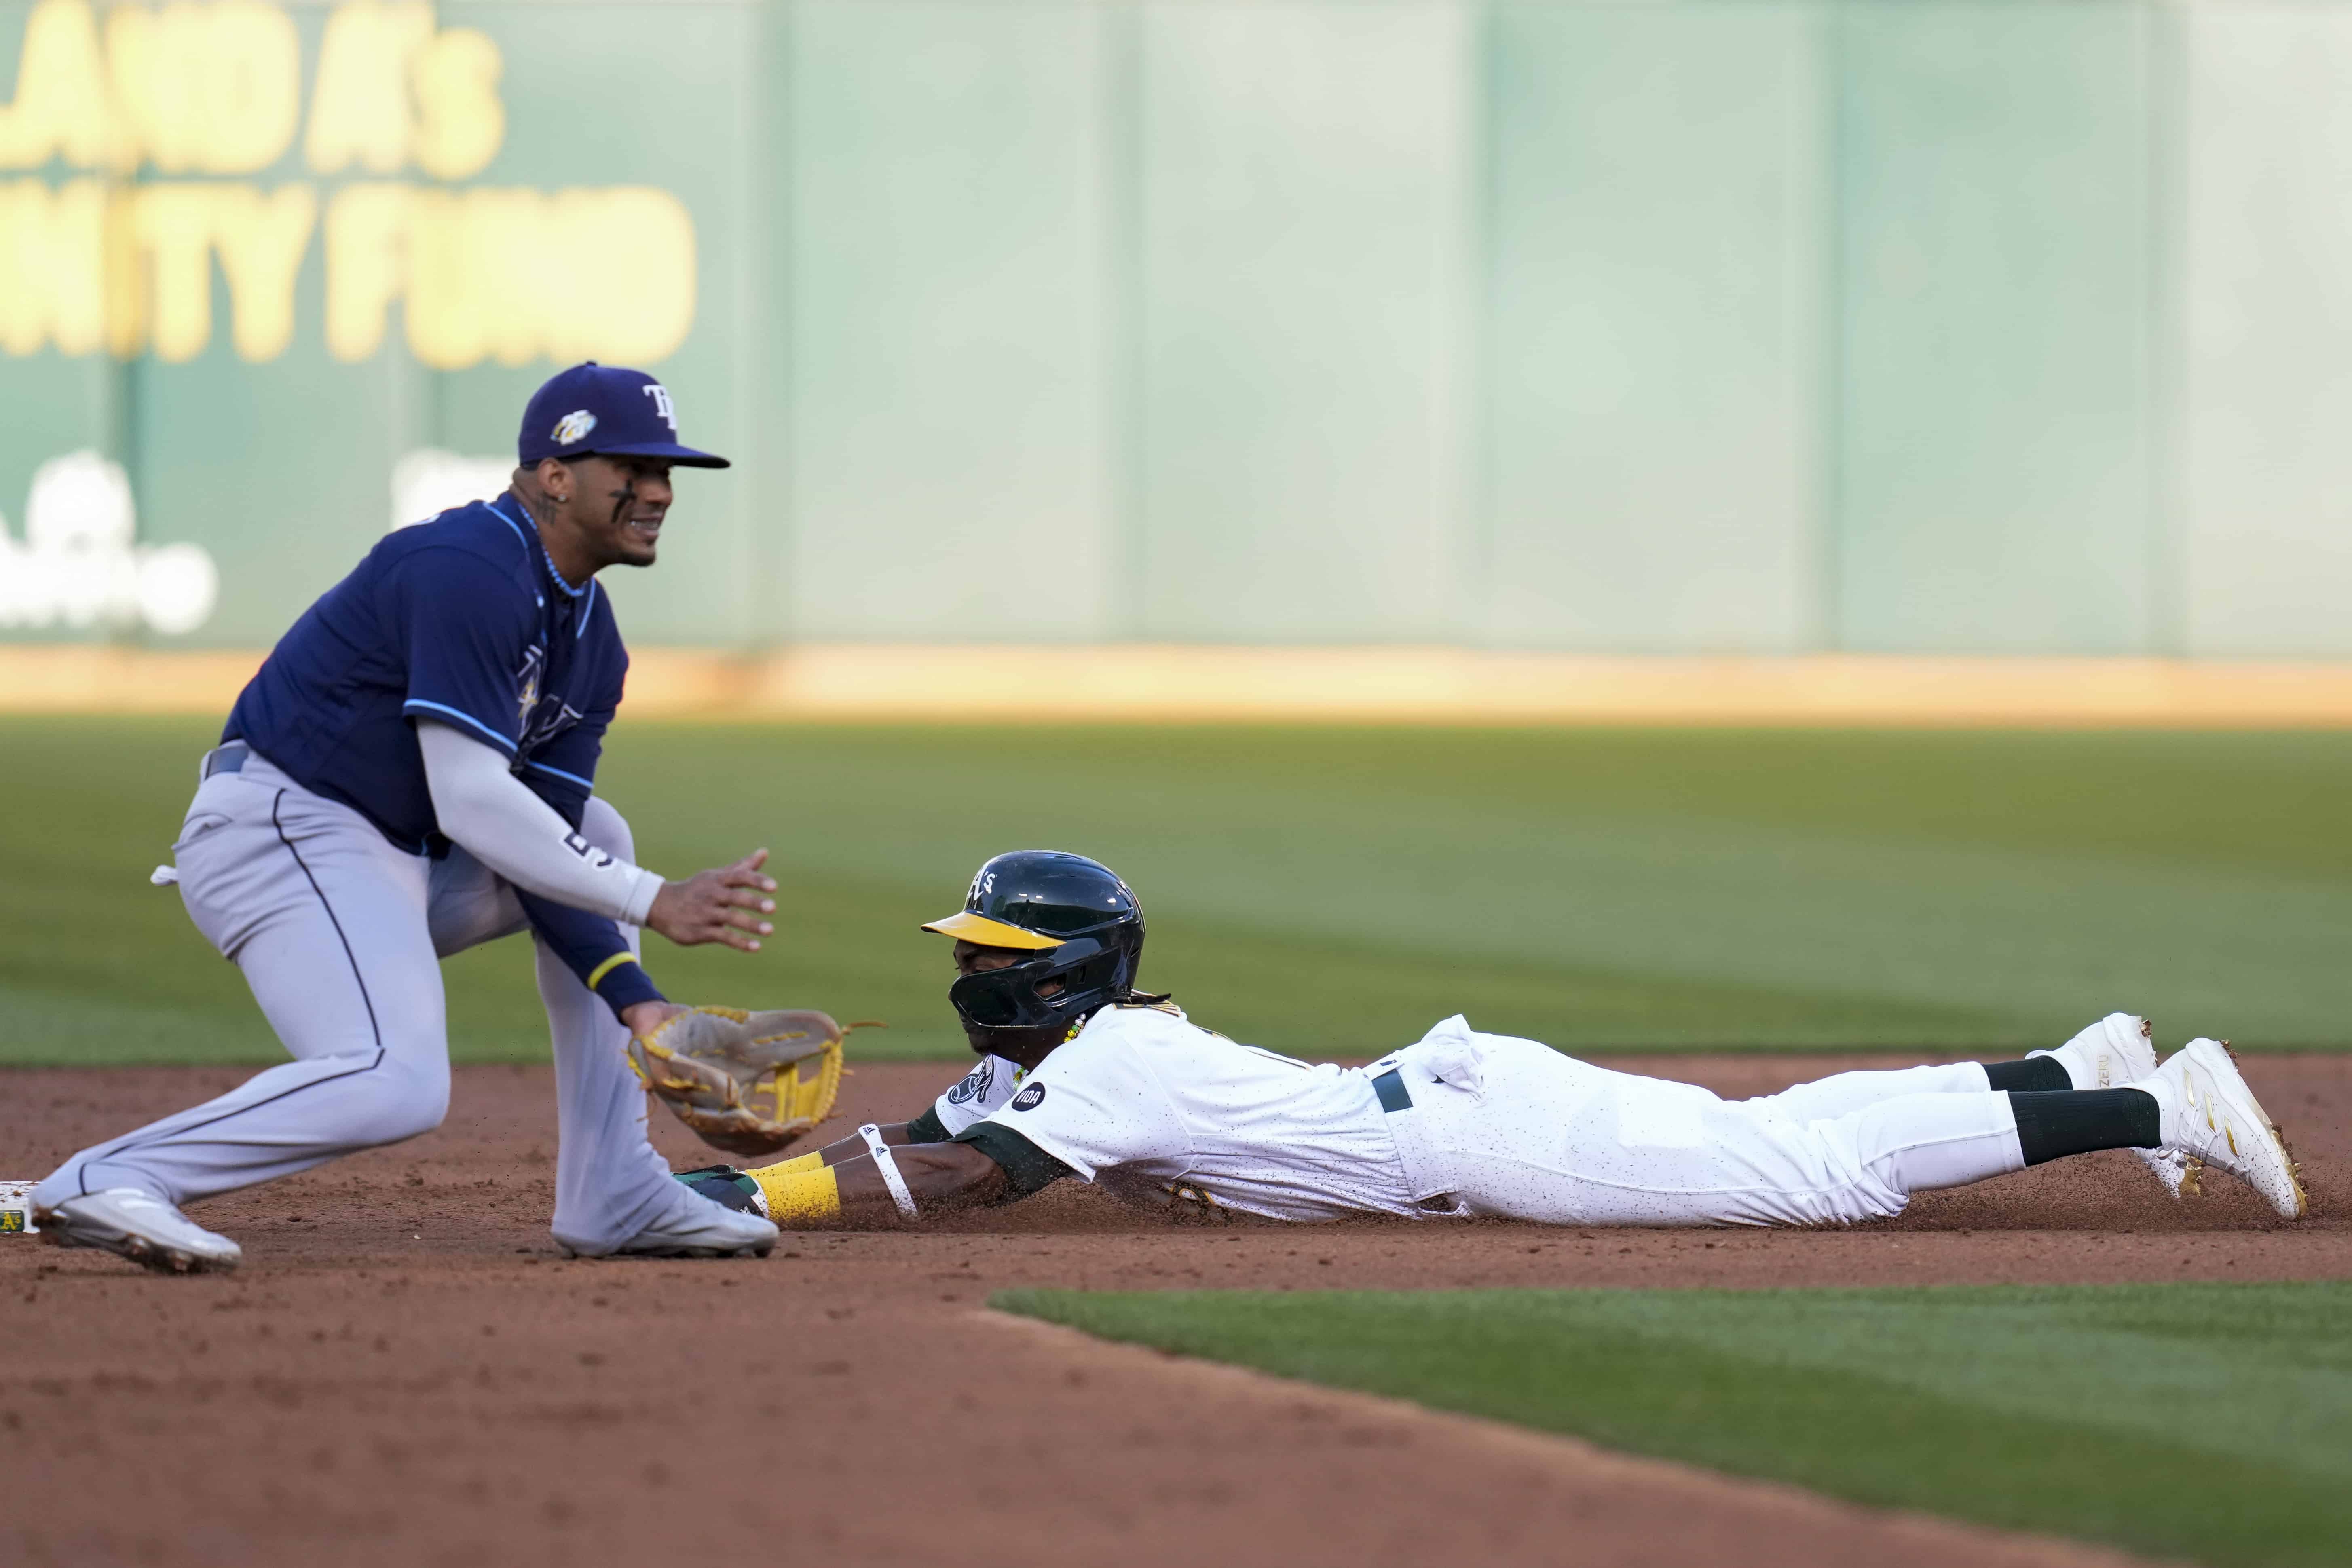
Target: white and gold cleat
column 2115, row 1053
column 2211, row 1118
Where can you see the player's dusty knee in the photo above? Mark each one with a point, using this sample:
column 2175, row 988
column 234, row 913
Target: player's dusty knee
column 607, row 829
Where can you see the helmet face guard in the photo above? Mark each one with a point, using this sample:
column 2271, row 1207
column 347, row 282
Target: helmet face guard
column 1076, row 928
column 1090, row 976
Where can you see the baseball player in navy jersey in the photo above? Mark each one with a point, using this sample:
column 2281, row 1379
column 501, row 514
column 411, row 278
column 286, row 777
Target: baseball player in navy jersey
column 412, row 772
column 1083, row 1076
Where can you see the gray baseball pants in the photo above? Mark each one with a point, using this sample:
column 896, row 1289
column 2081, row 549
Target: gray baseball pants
column 341, row 933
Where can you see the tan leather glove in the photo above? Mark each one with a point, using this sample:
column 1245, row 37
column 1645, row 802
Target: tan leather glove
column 749, row 1083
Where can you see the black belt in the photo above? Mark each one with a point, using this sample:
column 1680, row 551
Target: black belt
column 1389, row 1086
column 228, row 759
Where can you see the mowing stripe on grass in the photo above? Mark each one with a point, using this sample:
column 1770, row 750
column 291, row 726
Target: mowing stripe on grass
column 2210, row 1422
column 1334, row 892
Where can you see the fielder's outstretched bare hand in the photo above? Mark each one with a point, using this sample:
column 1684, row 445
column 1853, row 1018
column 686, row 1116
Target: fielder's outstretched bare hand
column 720, row 905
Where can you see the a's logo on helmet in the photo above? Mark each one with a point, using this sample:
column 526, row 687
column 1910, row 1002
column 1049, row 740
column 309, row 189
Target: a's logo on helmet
column 1028, row 1097
column 572, row 427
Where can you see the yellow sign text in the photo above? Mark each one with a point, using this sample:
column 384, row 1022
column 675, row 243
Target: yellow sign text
column 481, row 274
column 105, row 262
column 216, row 88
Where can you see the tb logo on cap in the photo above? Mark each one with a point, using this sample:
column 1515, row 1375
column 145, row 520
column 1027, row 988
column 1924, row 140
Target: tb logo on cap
column 660, row 395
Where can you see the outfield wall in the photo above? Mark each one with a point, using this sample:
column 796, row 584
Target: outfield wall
column 1755, row 327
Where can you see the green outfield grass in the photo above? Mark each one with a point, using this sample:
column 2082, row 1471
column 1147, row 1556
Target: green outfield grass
column 2207, row 1422
column 1336, row 891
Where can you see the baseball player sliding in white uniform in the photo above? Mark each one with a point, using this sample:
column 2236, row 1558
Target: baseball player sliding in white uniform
column 412, row 773
column 1085, row 1077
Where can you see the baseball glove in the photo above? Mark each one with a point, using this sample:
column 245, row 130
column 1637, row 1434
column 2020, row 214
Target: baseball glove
column 749, row 1083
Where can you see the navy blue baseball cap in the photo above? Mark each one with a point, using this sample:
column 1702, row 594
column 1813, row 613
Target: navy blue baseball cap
column 599, row 409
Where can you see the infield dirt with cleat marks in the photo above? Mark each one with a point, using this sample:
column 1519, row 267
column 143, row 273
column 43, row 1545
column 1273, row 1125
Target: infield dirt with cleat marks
column 407, row 1372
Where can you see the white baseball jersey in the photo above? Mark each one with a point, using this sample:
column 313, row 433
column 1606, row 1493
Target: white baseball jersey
column 1463, row 1124
column 1160, row 1111
column 975, row 1097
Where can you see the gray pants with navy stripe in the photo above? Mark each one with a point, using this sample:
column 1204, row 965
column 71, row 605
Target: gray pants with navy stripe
column 341, row 933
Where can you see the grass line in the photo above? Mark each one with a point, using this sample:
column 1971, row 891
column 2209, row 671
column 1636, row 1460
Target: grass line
column 2212, row 1422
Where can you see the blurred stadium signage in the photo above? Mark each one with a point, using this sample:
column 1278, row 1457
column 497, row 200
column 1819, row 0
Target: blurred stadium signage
column 79, row 567
column 429, row 481
column 93, row 262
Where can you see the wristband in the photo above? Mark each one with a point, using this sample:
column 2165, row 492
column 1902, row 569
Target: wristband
column 596, row 976
column 888, row 1163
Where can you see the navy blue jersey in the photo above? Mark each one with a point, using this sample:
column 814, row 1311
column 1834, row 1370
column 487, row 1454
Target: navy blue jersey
column 463, row 620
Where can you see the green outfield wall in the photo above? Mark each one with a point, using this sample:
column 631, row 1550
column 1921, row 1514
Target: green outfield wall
column 1754, row 326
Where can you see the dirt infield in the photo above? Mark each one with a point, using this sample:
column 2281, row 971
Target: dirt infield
column 407, row 1372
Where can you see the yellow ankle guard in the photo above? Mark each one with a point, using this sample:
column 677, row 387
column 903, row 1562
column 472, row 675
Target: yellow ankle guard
column 800, row 1192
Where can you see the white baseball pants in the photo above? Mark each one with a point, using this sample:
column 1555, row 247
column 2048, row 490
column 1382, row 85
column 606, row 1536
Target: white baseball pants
column 1510, row 1128
column 340, row 933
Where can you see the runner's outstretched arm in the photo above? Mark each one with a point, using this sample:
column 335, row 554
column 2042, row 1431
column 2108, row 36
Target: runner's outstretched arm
column 987, row 1164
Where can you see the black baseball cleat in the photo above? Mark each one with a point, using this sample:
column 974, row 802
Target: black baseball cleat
column 728, row 1187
